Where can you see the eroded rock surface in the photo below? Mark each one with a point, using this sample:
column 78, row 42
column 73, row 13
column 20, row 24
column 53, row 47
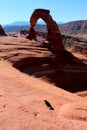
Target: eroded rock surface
column 53, row 33
column 27, row 103
column 33, row 58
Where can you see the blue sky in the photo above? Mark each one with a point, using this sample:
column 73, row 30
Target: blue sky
column 61, row 10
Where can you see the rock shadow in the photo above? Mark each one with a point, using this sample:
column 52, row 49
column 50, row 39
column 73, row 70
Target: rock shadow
column 62, row 69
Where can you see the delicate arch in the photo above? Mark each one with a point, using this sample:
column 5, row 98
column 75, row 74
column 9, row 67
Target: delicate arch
column 53, row 32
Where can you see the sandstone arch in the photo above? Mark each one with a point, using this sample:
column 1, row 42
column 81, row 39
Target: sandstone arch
column 53, row 33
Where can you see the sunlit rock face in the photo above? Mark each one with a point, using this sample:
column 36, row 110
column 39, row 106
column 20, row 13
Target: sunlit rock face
column 53, row 33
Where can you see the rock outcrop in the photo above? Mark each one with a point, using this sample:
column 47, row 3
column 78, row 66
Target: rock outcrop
column 2, row 32
column 29, row 103
column 53, row 36
column 24, row 31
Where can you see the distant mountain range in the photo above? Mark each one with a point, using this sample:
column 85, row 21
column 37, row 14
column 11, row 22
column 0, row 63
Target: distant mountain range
column 70, row 28
column 26, row 23
column 19, row 23
column 74, row 27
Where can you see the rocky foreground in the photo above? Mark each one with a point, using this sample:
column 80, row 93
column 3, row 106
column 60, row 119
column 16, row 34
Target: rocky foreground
column 31, row 78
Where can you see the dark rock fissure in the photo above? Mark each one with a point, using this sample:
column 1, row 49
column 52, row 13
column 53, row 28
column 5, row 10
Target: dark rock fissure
column 47, row 103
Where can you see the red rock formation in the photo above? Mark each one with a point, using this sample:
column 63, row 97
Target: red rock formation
column 32, row 34
column 2, row 32
column 24, row 31
column 53, row 34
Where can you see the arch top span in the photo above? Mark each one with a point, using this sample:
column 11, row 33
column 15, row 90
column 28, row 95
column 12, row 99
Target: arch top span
column 37, row 14
column 42, row 11
column 53, row 33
